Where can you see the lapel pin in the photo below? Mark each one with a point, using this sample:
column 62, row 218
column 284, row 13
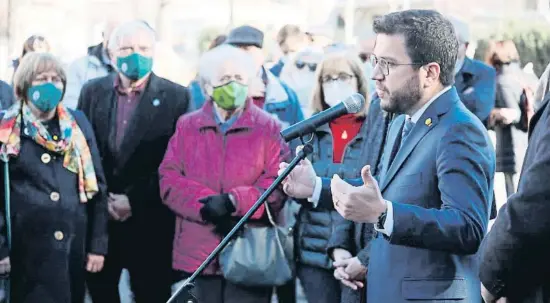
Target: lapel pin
column 428, row 122
column 156, row 102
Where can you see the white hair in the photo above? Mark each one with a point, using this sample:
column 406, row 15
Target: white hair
column 211, row 60
column 128, row 28
column 462, row 29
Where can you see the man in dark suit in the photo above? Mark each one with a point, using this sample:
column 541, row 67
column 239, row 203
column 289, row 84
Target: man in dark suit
column 431, row 208
column 6, row 95
column 475, row 81
column 514, row 255
column 134, row 113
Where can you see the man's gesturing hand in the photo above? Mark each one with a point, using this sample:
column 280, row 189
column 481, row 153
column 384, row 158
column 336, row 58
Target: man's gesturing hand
column 359, row 204
column 300, row 183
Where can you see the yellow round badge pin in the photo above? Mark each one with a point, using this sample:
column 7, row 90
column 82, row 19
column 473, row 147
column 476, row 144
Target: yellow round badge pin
column 428, row 122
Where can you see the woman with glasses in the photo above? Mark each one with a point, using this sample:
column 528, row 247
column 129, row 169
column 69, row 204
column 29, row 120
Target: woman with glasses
column 341, row 147
column 58, row 195
column 300, row 75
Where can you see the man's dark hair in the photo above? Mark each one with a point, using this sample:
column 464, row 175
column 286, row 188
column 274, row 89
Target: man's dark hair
column 429, row 37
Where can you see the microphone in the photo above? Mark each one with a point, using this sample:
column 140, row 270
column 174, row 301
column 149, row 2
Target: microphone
column 351, row 105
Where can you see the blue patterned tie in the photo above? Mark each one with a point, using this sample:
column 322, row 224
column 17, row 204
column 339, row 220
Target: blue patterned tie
column 406, row 130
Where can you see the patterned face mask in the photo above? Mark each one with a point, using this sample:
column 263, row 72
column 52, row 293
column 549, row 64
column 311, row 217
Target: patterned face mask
column 231, row 95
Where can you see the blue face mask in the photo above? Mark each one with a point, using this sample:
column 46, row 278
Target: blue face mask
column 45, row 96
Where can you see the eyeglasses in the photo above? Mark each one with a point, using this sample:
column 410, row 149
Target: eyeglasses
column 344, row 77
column 301, row 64
column 384, row 65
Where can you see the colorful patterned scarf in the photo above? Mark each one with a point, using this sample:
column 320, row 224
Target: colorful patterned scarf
column 72, row 144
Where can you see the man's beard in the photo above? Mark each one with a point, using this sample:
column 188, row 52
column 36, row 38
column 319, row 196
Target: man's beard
column 403, row 99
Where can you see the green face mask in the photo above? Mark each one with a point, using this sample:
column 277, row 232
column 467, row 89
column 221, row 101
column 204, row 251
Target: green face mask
column 230, row 96
column 44, row 96
column 134, row 66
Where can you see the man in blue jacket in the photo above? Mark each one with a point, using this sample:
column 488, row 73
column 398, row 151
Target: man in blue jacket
column 431, row 207
column 475, row 81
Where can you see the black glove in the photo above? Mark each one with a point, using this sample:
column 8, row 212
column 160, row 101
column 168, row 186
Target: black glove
column 216, row 208
column 225, row 225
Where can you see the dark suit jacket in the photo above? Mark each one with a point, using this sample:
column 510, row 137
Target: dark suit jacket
column 476, row 86
column 514, row 255
column 132, row 170
column 440, row 185
column 6, row 95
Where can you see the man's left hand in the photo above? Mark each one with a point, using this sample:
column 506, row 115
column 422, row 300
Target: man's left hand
column 121, row 206
column 362, row 204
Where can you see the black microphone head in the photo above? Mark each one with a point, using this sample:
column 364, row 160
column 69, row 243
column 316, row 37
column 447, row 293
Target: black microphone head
column 354, row 103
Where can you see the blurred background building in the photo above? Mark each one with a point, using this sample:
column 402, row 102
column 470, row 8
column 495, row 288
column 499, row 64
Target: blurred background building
column 185, row 27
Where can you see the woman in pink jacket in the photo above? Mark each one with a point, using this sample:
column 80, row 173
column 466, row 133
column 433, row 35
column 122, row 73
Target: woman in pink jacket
column 219, row 161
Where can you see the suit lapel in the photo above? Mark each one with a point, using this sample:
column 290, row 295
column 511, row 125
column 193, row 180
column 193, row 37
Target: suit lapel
column 106, row 118
column 440, row 106
column 145, row 112
column 391, row 141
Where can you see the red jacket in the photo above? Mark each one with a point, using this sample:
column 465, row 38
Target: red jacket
column 201, row 161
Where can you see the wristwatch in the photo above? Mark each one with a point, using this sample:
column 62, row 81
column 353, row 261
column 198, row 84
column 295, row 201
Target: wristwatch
column 382, row 219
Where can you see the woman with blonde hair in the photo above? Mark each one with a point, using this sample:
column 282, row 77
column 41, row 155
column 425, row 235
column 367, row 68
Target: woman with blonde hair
column 341, row 147
column 54, row 216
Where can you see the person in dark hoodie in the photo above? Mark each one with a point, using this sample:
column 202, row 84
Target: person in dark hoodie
column 94, row 65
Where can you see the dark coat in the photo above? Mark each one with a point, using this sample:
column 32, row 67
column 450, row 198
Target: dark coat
column 355, row 237
column 50, row 239
column 514, row 255
column 6, row 95
column 511, row 142
column 133, row 170
column 475, row 84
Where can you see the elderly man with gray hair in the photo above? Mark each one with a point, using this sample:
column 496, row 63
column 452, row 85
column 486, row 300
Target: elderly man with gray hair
column 134, row 114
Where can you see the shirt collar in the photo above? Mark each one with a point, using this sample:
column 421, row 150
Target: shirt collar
column 229, row 121
column 135, row 89
column 414, row 118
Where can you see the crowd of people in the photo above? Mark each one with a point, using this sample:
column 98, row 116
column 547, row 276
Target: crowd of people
column 110, row 167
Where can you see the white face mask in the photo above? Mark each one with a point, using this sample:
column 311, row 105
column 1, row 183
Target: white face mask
column 336, row 91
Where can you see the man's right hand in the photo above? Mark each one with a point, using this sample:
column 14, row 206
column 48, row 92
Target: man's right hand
column 300, row 183
column 5, row 266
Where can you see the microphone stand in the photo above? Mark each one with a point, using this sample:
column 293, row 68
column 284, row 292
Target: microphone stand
column 188, row 283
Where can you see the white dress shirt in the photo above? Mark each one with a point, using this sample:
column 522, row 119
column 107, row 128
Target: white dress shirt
column 388, row 225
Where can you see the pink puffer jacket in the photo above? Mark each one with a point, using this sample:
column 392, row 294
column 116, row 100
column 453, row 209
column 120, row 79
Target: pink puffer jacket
column 201, row 161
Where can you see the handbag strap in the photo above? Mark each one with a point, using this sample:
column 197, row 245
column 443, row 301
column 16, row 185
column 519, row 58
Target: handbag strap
column 269, row 216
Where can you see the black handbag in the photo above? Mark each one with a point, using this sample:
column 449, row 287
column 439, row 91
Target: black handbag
column 259, row 256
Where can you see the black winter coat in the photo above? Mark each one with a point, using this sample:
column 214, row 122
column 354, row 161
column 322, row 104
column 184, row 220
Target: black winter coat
column 52, row 231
